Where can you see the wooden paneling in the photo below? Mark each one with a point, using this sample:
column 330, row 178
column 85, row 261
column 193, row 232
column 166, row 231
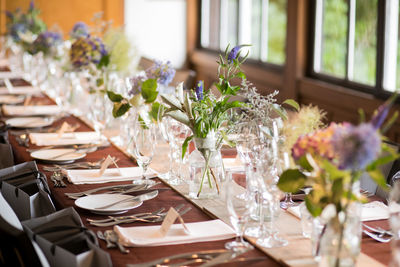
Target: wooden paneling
column 65, row 13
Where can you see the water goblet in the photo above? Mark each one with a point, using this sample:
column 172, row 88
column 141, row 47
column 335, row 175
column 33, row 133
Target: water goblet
column 143, row 146
column 238, row 209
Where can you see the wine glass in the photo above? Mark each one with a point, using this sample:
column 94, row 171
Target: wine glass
column 143, row 146
column 269, row 196
column 238, row 209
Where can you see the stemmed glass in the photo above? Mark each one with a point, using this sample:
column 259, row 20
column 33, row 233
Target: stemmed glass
column 167, row 136
column 143, row 145
column 269, row 165
column 238, row 209
column 178, row 132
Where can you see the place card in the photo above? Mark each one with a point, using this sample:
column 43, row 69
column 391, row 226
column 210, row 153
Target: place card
column 109, row 160
column 8, row 85
column 27, row 100
column 169, row 220
column 64, row 127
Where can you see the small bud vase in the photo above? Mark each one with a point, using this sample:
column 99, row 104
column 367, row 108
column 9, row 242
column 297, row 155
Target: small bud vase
column 206, row 169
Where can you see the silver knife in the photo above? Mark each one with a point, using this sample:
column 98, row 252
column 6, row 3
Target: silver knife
column 142, row 197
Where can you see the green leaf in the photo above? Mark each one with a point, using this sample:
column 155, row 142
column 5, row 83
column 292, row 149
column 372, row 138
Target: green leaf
column 361, row 113
column 149, row 90
column 171, row 101
column 114, row 97
column 241, row 75
column 378, row 178
column 337, row 190
column 303, row 162
column 291, row 181
column 99, row 82
column 280, row 111
column 314, row 209
column 104, row 61
column 179, row 116
column 292, row 103
column 120, row 109
column 332, row 170
column 154, row 111
column 390, row 122
column 185, row 145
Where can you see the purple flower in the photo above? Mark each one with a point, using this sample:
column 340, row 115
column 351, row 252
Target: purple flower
column 380, row 115
column 80, row 29
column 45, row 42
column 162, row 72
column 87, row 50
column 234, row 53
column 136, row 84
column 199, row 90
column 356, row 146
column 32, row 5
column 9, row 14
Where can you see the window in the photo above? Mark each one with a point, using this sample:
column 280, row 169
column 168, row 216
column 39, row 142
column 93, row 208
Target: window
column 261, row 23
column 356, row 44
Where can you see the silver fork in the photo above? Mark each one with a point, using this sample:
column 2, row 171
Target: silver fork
column 378, row 230
column 158, row 212
column 110, row 187
column 377, row 237
column 150, row 220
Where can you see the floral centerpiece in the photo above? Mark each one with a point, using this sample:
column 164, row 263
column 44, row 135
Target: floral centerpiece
column 331, row 161
column 47, row 42
column 207, row 114
column 25, row 27
column 144, row 92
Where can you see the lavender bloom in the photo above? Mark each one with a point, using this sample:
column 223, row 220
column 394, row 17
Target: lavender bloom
column 45, row 42
column 199, row 90
column 163, row 73
column 9, row 14
column 80, row 29
column 234, row 53
column 16, row 29
column 87, row 50
column 356, row 146
column 136, row 84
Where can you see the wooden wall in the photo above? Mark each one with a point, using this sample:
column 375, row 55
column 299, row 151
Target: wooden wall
column 65, row 13
column 341, row 104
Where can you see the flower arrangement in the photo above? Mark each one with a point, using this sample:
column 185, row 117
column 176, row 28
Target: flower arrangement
column 205, row 113
column 20, row 23
column 144, row 91
column 88, row 51
column 46, row 43
column 331, row 160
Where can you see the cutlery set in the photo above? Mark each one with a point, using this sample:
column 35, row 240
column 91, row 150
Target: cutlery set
column 378, row 234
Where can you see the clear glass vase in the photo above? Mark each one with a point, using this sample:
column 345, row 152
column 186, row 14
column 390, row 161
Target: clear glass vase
column 206, row 169
column 340, row 239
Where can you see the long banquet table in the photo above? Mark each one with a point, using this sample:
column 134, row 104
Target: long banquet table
column 296, row 254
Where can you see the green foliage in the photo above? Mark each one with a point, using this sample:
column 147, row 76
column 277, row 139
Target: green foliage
column 149, row 90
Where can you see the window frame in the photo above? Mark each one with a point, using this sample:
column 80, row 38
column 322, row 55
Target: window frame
column 377, row 91
column 276, row 68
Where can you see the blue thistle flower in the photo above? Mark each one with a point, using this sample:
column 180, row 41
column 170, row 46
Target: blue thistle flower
column 199, row 90
column 356, row 146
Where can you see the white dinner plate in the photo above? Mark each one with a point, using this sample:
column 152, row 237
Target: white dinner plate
column 60, row 155
column 11, row 99
column 30, row 122
column 91, row 203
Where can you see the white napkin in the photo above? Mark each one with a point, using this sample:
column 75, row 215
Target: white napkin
column 371, row 211
column 21, row 90
column 31, row 110
column 110, row 175
column 10, row 75
column 233, row 164
column 76, row 138
column 144, row 236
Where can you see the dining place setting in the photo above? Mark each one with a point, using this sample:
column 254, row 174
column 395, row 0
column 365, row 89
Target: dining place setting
column 104, row 166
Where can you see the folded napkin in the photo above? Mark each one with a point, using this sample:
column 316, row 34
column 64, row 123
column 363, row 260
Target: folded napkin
column 110, row 175
column 21, row 90
column 76, row 138
column 10, row 75
column 371, row 211
column 144, row 236
column 10, row 110
column 233, row 164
